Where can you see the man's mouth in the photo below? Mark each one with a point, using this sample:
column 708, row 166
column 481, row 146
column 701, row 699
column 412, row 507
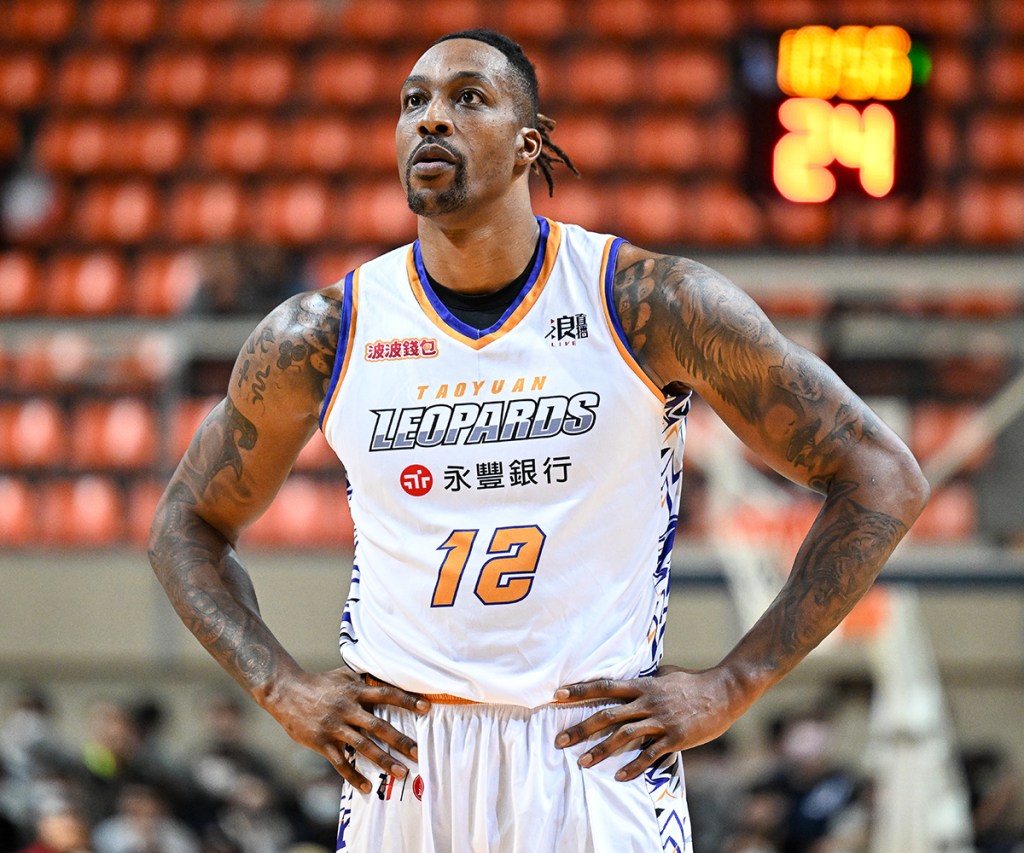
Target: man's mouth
column 433, row 153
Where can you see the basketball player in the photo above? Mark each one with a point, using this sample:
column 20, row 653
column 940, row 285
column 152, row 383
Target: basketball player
column 508, row 397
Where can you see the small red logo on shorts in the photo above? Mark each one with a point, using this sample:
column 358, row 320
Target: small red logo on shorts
column 416, row 480
column 417, row 787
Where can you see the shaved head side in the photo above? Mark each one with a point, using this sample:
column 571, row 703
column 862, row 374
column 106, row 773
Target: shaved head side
column 523, row 73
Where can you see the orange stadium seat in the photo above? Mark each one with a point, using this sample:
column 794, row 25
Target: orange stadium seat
column 155, row 145
column 931, row 219
column 373, row 20
column 990, row 213
column 377, row 213
column 242, row 144
column 42, row 21
column 303, row 514
column 934, row 425
column 85, row 284
column 586, row 203
column 293, row 21
column 121, row 434
column 58, row 362
column 1004, row 75
column 78, row 145
column 294, row 212
column 791, row 224
column 23, row 79
column 264, row 78
column 953, row 18
column 329, row 267
column 204, row 211
column 621, row 19
column 544, row 20
column 591, row 140
column 775, row 14
column 953, row 79
column 375, row 149
column 84, row 512
column 602, row 76
column 941, row 143
column 350, row 79
column 186, row 419
column 123, row 213
column 321, row 144
column 34, row 434
column 996, row 142
column 707, row 20
column 725, row 216
column 693, row 76
column 143, row 497
column 652, row 212
column 434, row 20
column 164, row 283
column 93, row 78
column 210, row 20
column 317, row 456
column 126, row 21
column 18, row 513
column 1008, row 16
column 22, row 291
column 179, row 78
column 950, row 516
column 671, row 141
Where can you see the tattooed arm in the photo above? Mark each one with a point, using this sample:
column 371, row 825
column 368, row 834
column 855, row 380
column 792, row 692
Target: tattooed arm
column 234, row 466
column 691, row 328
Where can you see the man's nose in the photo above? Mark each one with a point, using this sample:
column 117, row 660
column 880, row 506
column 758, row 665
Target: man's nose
column 436, row 121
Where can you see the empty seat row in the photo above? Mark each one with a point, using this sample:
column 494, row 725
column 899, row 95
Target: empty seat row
column 97, row 283
column 191, row 78
column 96, row 511
column 130, row 434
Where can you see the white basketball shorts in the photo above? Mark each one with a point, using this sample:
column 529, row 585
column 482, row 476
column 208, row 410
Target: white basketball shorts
column 490, row 780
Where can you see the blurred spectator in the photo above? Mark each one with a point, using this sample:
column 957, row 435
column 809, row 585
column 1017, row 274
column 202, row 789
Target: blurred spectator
column 143, row 824
column 252, row 817
column 712, row 792
column 10, row 834
column 60, row 828
column 317, row 795
column 241, row 280
column 816, row 792
column 997, row 801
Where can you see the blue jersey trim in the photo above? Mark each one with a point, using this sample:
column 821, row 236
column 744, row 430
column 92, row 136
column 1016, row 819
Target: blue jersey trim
column 457, row 324
column 609, row 298
column 344, row 329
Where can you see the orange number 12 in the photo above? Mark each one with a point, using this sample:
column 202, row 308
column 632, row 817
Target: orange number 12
column 505, row 578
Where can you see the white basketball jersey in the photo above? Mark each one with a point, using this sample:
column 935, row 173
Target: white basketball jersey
column 514, row 489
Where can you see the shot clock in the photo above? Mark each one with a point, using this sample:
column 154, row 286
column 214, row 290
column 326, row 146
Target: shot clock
column 834, row 110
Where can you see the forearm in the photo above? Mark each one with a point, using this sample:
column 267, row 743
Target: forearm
column 857, row 529
column 214, row 597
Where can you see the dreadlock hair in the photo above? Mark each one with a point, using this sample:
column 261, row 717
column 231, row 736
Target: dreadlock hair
column 525, row 76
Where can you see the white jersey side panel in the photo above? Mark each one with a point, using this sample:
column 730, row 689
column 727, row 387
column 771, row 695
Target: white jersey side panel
column 514, row 490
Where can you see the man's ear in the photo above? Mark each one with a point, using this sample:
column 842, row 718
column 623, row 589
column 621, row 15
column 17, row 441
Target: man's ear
column 530, row 146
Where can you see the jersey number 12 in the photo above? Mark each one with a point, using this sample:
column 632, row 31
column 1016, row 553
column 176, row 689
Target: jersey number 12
column 505, row 578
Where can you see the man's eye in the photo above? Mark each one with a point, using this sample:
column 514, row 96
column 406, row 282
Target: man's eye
column 413, row 100
column 469, row 97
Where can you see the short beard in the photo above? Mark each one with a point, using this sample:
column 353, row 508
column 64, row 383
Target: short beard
column 452, row 199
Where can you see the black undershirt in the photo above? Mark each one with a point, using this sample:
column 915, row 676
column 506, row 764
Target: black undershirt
column 482, row 310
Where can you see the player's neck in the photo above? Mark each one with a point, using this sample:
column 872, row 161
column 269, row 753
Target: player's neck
column 480, row 254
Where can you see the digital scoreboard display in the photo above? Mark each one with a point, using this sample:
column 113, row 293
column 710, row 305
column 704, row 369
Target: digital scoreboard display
column 834, row 110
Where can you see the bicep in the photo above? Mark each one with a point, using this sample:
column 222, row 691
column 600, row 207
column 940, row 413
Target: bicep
column 700, row 330
column 236, row 463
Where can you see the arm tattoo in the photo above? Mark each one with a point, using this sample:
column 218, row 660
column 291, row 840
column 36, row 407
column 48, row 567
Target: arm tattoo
column 206, row 582
column 679, row 311
column 838, row 562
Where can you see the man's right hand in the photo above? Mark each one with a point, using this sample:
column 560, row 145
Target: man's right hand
column 329, row 712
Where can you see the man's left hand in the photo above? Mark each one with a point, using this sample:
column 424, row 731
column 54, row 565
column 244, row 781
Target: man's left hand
column 672, row 710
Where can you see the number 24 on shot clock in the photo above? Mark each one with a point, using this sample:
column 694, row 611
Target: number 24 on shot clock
column 840, row 112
